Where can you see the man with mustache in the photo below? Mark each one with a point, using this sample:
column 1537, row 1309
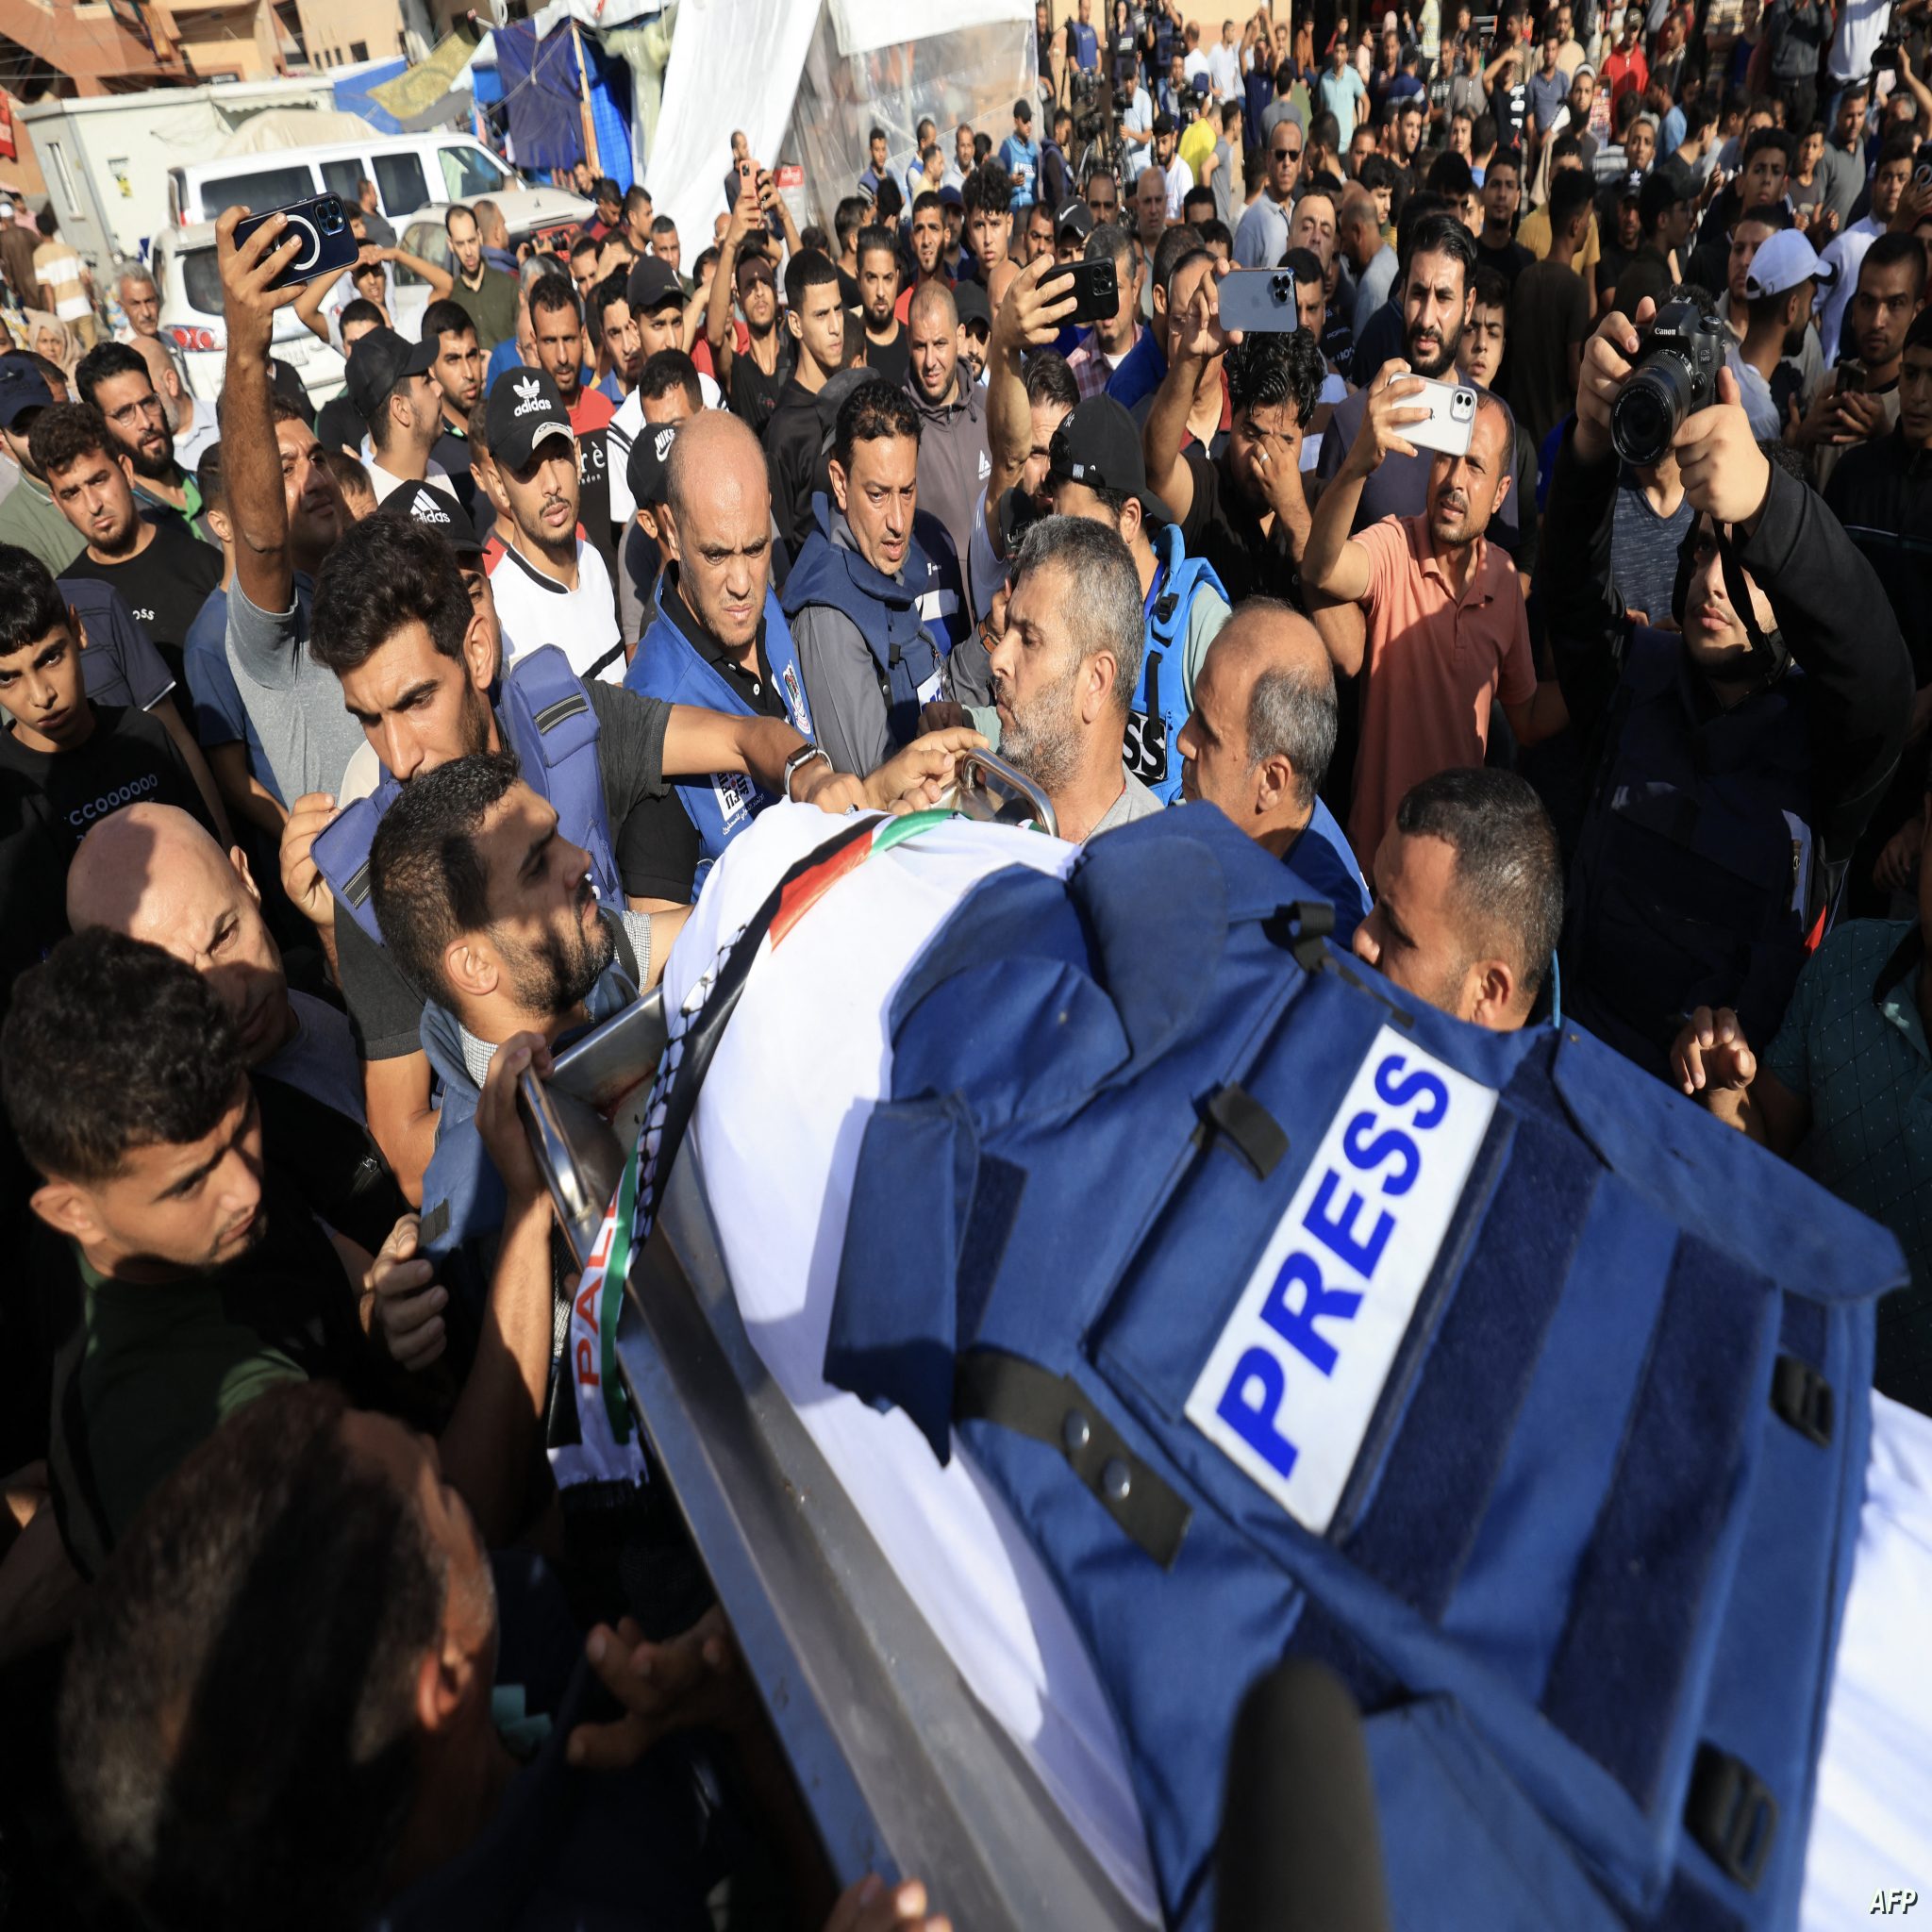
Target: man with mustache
column 1435, row 289
column 1445, row 633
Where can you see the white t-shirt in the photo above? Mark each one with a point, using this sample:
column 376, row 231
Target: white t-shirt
column 777, row 1132
column 537, row 611
column 1224, row 70
column 624, row 429
column 386, row 483
column 1180, row 179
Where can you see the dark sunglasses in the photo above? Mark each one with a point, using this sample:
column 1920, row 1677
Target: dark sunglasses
column 1286, row 154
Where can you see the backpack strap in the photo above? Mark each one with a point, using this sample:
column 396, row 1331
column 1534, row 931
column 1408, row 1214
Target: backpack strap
column 551, row 724
column 342, row 856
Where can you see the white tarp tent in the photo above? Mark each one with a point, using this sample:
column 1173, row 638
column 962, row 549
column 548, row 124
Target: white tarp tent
column 805, row 83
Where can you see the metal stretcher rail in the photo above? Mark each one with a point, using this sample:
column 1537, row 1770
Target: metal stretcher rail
column 901, row 1768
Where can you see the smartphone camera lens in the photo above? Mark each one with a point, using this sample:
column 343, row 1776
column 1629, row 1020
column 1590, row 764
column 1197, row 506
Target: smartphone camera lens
column 331, row 214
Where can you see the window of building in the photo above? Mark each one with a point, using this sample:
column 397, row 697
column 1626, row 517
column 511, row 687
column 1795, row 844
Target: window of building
column 358, row 50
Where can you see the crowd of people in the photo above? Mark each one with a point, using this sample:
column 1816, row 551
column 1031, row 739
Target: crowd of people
column 354, row 757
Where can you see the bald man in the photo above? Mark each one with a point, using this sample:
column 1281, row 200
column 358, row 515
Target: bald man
column 152, row 873
column 193, row 423
column 954, row 461
column 1258, row 743
column 717, row 637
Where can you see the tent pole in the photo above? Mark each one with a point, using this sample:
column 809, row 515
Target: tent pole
column 591, row 154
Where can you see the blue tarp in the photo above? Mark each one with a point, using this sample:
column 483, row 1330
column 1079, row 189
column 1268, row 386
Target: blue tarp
column 541, row 97
column 352, row 94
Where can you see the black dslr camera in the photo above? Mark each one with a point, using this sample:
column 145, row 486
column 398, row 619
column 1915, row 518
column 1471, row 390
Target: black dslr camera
column 1675, row 376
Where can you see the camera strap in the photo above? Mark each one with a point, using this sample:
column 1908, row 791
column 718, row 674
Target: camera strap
column 1770, row 657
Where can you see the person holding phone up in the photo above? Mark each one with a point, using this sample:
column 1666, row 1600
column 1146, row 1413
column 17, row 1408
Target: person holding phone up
column 1446, row 634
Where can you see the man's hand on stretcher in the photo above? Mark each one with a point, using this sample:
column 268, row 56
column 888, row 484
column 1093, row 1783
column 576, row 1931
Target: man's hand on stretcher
column 912, row 780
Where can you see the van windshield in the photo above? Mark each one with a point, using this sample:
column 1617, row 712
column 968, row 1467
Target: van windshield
column 468, row 172
column 259, row 191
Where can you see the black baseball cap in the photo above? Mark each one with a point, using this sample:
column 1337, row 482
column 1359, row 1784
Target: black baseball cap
column 969, row 298
column 1077, row 217
column 1097, row 444
column 22, row 388
column 1661, row 192
column 1630, row 187
column 1163, row 122
column 648, row 467
column 652, row 284
column 524, row 410
column 435, row 510
column 380, row 360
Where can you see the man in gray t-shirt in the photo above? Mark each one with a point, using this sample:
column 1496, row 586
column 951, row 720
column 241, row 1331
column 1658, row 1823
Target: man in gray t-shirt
column 1651, row 515
column 276, row 495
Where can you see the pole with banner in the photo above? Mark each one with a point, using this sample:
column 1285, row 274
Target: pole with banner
column 590, row 155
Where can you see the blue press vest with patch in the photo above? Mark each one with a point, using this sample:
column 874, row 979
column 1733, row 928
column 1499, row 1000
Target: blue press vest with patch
column 1479, row 1366
column 939, row 587
column 1693, row 882
column 886, row 611
column 668, row 666
column 1160, row 700
column 544, row 714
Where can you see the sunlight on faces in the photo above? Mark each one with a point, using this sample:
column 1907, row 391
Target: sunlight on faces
column 879, row 287
column 418, row 708
column 1415, row 934
column 1436, row 301
column 43, row 689
column 718, row 527
column 559, row 339
column 1039, row 681
column 1213, row 744
column 928, row 239
column 819, row 324
column 542, row 494
column 94, row 488
column 1482, row 353
column 1466, row 490
column 458, row 368
column 878, row 494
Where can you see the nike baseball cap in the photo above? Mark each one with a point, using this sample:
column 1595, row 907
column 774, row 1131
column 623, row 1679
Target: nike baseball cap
column 1785, row 260
column 435, row 510
column 647, row 469
column 380, row 360
column 1075, row 218
column 1097, row 444
column 525, row 410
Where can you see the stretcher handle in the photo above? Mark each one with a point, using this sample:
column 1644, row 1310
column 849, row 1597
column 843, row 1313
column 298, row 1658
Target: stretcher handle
column 979, row 772
column 577, row 1153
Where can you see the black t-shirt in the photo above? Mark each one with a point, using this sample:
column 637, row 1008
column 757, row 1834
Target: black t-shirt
column 1221, row 527
column 384, row 1010
column 1509, row 261
column 164, row 586
column 594, row 495
column 890, row 361
column 792, row 460
column 1510, row 103
column 755, row 394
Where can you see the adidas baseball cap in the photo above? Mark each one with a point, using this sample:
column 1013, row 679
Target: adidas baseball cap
column 525, row 410
column 647, row 469
column 435, row 510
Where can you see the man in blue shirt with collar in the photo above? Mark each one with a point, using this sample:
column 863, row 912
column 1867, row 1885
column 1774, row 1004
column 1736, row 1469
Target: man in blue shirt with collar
column 1258, row 743
column 1086, row 42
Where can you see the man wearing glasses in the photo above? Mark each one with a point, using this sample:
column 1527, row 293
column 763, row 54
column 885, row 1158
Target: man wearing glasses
column 1261, row 240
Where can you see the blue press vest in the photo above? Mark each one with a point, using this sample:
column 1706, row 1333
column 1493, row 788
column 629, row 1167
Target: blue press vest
column 1160, row 700
column 668, row 666
column 1480, row 1367
column 886, row 611
column 932, row 569
column 544, row 714
column 1693, row 882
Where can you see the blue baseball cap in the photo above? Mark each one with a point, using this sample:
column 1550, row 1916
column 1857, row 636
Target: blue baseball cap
column 22, row 388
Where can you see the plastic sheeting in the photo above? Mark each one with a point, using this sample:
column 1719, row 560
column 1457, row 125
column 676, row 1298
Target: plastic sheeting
column 355, row 94
column 286, row 128
column 543, row 101
column 743, row 63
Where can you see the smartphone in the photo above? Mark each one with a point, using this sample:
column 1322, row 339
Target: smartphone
column 1451, row 420
column 323, row 225
column 1258, row 298
column 1922, row 176
column 1094, row 286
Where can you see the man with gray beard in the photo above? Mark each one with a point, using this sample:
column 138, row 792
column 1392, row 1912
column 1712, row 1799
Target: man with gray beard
column 1064, row 673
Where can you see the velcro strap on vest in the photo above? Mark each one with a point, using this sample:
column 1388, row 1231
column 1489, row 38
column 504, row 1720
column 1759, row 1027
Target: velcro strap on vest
column 1013, row 1393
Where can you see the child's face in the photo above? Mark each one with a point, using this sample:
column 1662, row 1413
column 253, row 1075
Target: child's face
column 43, row 690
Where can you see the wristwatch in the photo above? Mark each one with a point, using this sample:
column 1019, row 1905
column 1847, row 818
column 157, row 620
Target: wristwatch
column 798, row 760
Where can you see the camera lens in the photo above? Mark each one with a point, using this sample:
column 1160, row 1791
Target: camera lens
column 331, row 217
column 1648, row 409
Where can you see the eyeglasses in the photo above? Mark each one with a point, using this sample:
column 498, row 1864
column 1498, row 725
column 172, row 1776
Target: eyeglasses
column 1286, row 154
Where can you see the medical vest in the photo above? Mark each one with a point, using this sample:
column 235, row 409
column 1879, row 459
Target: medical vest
column 887, row 611
column 668, row 666
column 1697, row 874
column 1161, row 700
column 1292, row 1317
column 545, row 716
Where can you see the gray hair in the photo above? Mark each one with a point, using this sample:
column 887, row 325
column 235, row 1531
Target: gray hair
column 1100, row 593
column 1293, row 714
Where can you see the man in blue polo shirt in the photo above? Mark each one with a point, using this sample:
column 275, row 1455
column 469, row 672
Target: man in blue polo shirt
column 1845, row 1091
column 1258, row 743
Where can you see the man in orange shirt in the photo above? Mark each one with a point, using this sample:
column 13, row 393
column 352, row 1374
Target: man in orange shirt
column 1445, row 632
